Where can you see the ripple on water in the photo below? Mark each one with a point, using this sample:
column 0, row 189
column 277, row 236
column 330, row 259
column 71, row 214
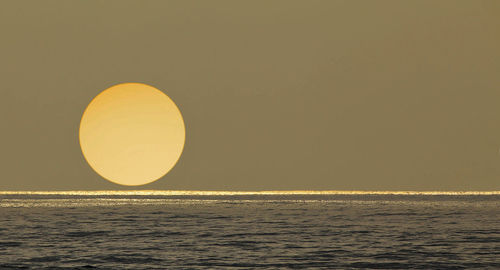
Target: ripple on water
column 325, row 231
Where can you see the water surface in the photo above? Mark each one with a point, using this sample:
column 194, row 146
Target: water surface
column 196, row 230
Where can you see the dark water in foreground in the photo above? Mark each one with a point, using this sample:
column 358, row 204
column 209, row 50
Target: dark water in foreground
column 253, row 231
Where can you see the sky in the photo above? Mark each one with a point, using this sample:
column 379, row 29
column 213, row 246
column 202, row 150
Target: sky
column 275, row 95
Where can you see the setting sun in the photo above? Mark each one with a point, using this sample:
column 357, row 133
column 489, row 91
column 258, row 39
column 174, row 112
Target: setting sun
column 132, row 134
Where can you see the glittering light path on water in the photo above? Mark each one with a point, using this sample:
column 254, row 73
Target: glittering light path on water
column 233, row 193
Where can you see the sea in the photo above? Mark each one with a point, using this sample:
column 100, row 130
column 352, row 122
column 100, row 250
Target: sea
column 249, row 230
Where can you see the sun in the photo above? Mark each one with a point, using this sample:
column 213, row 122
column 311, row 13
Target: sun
column 132, row 134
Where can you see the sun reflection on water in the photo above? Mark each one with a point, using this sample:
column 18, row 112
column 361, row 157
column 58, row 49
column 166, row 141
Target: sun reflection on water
column 232, row 193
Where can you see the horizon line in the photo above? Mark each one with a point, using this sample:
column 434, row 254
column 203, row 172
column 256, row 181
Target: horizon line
column 236, row 193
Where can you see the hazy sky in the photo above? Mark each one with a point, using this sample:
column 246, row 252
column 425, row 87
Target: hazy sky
column 341, row 95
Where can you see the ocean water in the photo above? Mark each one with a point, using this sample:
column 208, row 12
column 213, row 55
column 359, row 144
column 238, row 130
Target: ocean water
column 273, row 230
